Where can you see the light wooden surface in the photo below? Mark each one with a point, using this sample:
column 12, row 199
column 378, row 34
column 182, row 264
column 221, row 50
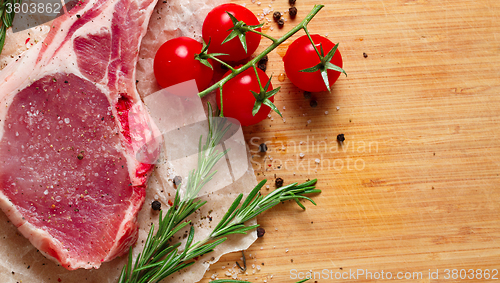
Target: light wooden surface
column 416, row 186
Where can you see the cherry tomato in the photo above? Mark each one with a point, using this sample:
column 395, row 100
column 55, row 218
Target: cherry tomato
column 175, row 63
column 301, row 55
column 239, row 101
column 216, row 28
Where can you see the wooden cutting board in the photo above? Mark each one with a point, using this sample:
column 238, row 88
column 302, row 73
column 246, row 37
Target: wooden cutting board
column 415, row 188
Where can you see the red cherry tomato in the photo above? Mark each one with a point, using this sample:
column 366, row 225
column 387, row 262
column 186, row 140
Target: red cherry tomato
column 301, row 55
column 238, row 101
column 216, row 26
column 175, row 63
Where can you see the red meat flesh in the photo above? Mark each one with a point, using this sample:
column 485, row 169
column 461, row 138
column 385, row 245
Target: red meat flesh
column 69, row 177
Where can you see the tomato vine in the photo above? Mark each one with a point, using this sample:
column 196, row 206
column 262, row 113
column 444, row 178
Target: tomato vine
column 322, row 67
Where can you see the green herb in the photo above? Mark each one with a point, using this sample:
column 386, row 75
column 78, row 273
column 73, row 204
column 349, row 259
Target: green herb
column 165, row 260
column 159, row 259
column 6, row 16
column 157, row 246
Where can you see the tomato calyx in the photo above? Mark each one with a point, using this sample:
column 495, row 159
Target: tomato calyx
column 262, row 97
column 240, row 30
column 324, row 64
column 203, row 56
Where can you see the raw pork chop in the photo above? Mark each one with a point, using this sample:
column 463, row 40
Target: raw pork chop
column 69, row 179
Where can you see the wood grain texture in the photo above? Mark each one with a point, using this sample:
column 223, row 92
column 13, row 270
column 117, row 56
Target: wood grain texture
column 416, row 185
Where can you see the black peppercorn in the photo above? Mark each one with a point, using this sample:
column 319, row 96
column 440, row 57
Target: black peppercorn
column 263, row 147
column 80, row 156
column 307, row 95
column 281, row 23
column 291, row 2
column 177, row 181
column 365, row 55
column 262, row 66
column 260, row 232
column 313, row 103
column 276, row 16
column 279, row 182
column 292, row 12
column 340, row 138
column 156, row 205
column 263, row 63
column 264, row 59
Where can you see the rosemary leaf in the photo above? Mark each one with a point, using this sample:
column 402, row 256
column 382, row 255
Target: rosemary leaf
column 6, row 18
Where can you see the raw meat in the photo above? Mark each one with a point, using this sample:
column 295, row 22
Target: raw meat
column 69, row 178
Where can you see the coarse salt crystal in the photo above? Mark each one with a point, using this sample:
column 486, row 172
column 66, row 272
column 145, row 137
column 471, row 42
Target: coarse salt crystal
column 317, row 160
column 308, row 121
column 326, row 112
column 301, row 155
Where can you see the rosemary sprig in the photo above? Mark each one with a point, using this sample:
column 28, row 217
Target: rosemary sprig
column 6, row 16
column 159, row 259
column 255, row 203
column 233, row 222
column 157, row 246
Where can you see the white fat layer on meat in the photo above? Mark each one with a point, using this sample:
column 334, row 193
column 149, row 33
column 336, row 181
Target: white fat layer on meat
column 21, row 262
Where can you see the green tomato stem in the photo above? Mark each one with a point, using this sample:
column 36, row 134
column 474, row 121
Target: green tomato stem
column 221, row 101
column 222, row 62
column 264, row 35
column 312, row 42
column 276, row 43
column 261, row 89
